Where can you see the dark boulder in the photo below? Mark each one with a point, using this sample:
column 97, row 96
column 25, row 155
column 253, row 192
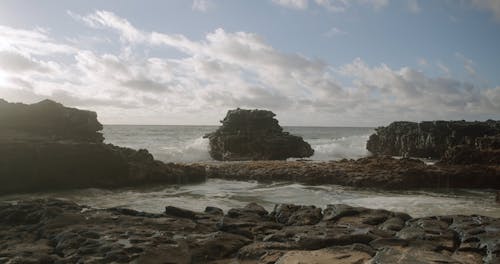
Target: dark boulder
column 428, row 139
column 255, row 135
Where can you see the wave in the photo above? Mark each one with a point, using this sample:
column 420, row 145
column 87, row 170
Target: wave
column 196, row 150
column 350, row 147
column 193, row 151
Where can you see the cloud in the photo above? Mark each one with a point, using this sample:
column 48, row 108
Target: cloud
column 414, row 7
column 202, row 5
column 35, row 42
column 18, row 63
column 443, row 68
column 334, row 31
column 226, row 70
column 468, row 63
column 293, row 4
column 334, row 6
column 491, row 5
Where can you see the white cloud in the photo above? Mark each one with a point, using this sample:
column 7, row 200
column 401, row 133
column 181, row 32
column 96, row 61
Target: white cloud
column 293, row 4
column 468, row 63
column 443, row 68
column 226, row 70
column 334, row 6
column 490, row 5
column 414, row 7
column 422, row 62
column 202, row 5
column 334, row 31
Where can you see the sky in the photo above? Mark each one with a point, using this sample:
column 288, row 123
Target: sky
column 312, row 62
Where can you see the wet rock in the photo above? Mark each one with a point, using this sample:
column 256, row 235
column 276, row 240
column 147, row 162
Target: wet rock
column 215, row 246
column 340, row 255
column 65, row 233
column 334, row 212
column 179, row 212
column 214, row 210
column 393, row 224
column 255, row 135
column 290, row 214
column 411, row 256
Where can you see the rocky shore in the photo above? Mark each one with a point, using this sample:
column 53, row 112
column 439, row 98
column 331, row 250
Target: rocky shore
column 47, row 146
column 56, row 231
column 370, row 172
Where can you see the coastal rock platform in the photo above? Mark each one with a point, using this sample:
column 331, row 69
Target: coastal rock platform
column 370, row 172
column 57, row 231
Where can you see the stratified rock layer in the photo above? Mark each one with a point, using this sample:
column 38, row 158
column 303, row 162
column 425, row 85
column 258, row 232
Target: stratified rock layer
column 55, row 231
column 255, row 135
column 49, row 146
column 428, row 139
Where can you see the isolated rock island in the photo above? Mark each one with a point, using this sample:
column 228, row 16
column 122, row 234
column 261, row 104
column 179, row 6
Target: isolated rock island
column 49, row 146
column 255, row 135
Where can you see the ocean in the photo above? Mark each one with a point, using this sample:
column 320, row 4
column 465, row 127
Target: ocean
column 186, row 144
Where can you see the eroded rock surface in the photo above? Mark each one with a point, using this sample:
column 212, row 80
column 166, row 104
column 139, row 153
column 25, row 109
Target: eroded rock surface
column 255, row 135
column 430, row 139
column 56, row 231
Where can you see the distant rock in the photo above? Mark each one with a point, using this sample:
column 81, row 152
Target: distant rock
column 255, row 135
column 428, row 139
column 48, row 146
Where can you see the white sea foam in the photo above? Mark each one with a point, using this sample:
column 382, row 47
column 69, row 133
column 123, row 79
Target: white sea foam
column 349, row 147
column 186, row 143
column 192, row 151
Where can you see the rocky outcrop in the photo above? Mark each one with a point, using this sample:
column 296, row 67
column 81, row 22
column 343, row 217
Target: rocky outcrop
column 48, row 120
column 255, row 135
column 55, row 231
column 371, row 172
column 428, row 139
column 48, row 146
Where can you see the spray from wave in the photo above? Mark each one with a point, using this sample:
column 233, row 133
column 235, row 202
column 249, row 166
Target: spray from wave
column 349, row 147
column 193, row 151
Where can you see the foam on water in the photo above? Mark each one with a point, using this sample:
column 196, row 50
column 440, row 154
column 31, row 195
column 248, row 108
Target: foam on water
column 230, row 194
column 186, row 143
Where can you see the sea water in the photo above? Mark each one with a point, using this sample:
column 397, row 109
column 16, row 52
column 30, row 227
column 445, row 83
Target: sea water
column 186, row 144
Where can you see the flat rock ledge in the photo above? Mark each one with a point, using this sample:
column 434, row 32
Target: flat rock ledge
column 370, row 172
column 57, row 231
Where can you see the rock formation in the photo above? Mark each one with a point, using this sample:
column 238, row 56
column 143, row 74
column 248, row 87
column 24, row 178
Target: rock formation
column 429, row 139
column 255, row 135
column 49, row 146
column 55, row 231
